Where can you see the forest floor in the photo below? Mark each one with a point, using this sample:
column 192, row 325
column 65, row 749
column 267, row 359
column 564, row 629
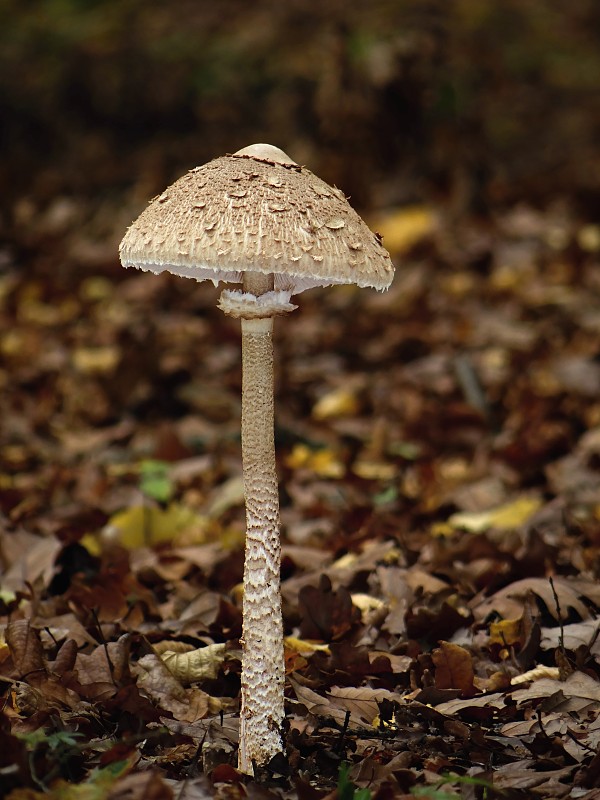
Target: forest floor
column 439, row 459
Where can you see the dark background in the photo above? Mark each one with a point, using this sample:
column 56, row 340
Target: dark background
column 473, row 103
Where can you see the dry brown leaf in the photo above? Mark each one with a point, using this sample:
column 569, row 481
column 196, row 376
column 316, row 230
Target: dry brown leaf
column 155, row 678
column 454, row 668
column 25, row 648
column 173, row 646
column 65, row 658
column 110, row 663
column 146, row 785
column 578, row 693
column 509, row 601
column 27, row 558
column 65, row 626
column 523, row 777
column 578, row 634
column 361, row 702
column 399, row 664
column 397, row 594
column 494, row 700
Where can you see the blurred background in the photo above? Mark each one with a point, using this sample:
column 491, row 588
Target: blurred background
column 470, row 102
column 467, row 132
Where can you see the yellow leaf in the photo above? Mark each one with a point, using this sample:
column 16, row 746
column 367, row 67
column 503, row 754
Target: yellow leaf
column 347, row 561
column 146, row 526
column 402, row 228
column 506, row 632
column 506, row 517
column 337, row 403
column 588, row 238
column 96, row 360
column 304, row 647
column 4, row 649
column 322, row 462
column 92, row 544
column 7, row 596
column 197, row 665
column 368, row 605
column 441, row 530
column 374, row 470
column 535, row 674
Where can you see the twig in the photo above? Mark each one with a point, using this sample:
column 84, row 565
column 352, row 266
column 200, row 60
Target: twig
column 340, row 743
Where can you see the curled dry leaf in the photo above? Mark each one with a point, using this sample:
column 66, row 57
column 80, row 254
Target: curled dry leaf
column 196, row 665
column 304, row 647
column 172, row 646
column 535, row 674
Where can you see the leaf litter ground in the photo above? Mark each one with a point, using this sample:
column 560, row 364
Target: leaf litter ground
column 439, row 452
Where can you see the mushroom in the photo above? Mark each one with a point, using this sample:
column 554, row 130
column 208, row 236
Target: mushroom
column 260, row 219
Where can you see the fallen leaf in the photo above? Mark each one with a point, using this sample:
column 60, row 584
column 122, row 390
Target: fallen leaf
column 574, row 636
column 327, row 614
column 96, row 360
column 509, row 601
column 196, row 665
column 147, row 526
column 579, row 693
column 338, row 403
column 156, row 679
column 454, row 668
column 535, row 674
column 505, row 517
column 402, row 228
column 323, row 462
column 506, row 632
column 25, row 648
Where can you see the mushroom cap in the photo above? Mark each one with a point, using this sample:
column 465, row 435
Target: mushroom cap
column 257, row 210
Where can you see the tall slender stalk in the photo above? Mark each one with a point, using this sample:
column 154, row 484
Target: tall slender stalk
column 262, row 708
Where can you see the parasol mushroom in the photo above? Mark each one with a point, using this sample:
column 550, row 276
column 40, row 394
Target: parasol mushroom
column 258, row 218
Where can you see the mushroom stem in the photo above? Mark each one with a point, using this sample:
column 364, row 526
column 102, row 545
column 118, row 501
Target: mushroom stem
column 262, row 708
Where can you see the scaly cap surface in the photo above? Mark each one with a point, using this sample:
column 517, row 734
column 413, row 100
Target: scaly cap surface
column 257, row 210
